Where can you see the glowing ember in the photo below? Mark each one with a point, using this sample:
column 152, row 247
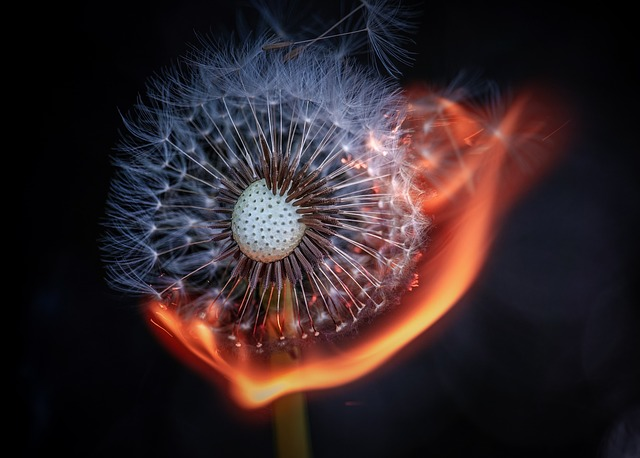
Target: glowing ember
column 476, row 164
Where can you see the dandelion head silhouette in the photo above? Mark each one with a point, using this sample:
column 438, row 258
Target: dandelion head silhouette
column 262, row 185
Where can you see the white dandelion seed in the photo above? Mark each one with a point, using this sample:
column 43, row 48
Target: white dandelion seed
column 268, row 171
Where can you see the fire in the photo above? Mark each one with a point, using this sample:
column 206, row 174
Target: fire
column 477, row 164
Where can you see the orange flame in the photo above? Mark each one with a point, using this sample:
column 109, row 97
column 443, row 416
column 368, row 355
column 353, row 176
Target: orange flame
column 477, row 165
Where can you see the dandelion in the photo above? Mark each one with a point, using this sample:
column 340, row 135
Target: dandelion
column 263, row 186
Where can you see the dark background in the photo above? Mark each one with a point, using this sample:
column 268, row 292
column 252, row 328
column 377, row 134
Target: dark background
column 540, row 359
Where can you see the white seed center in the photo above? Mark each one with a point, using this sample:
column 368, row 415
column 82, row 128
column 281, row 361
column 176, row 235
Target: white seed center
column 265, row 227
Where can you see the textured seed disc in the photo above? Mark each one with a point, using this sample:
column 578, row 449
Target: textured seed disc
column 265, row 227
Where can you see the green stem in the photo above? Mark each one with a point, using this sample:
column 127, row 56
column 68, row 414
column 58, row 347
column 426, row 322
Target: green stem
column 291, row 426
column 290, row 420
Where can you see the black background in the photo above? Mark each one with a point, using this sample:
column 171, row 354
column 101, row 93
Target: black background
column 540, row 359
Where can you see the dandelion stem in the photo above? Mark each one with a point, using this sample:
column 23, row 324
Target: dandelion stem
column 290, row 421
column 291, row 426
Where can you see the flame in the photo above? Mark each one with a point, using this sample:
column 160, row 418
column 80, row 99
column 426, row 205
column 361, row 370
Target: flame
column 477, row 163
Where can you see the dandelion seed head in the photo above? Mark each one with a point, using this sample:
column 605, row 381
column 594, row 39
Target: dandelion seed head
column 267, row 192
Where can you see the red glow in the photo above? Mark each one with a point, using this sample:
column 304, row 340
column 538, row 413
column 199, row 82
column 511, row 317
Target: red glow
column 477, row 164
